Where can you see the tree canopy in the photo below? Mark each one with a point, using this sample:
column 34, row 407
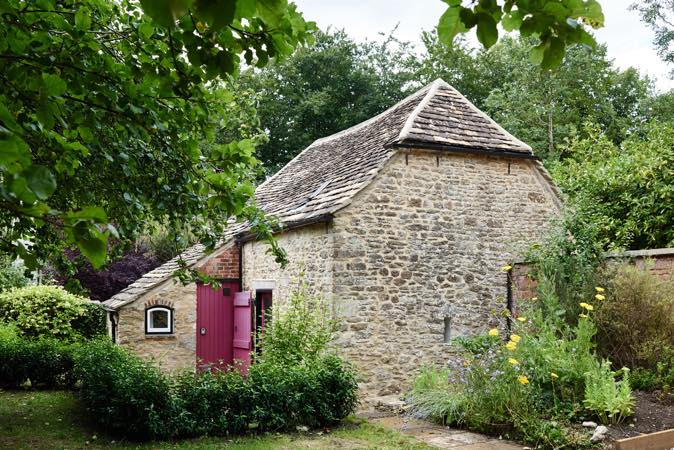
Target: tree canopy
column 626, row 191
column 324, row 89
column 104, row 112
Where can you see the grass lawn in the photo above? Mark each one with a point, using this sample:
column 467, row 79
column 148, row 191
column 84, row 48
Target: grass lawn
column 55, row 419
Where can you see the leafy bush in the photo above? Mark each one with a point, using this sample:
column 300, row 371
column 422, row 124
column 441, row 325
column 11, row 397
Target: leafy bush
column 50, row 311
column 300, row 331
column 11, row 274
column 45, row 363
column 528, row 387
column 636, row 318
column 133, row 398
column 123, row 393
column 565, row 265
column 626, row 190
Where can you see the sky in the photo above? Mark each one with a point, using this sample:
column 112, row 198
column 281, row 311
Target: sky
column 629, row 41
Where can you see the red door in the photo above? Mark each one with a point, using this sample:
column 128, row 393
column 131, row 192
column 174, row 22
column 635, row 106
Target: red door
column 215, row 311
column 242, row 330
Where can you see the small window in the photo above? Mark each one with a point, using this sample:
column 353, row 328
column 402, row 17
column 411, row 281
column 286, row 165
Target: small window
column 159, row 320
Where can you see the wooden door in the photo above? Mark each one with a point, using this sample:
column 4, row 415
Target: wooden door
column 215, row 320
column 243, row 329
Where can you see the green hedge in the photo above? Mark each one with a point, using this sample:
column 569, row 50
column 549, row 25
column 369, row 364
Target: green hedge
column 51, row 311
column 45, row 363
column 132, row 398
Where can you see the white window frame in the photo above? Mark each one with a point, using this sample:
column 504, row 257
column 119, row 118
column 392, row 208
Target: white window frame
column 149, row 329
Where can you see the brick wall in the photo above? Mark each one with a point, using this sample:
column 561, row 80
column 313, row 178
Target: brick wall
column 659, row 261
column 223, row 263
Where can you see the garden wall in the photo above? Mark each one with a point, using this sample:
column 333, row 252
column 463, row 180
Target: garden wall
column 659, row 261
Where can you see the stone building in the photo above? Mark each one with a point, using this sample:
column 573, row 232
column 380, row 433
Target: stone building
column 403, row 222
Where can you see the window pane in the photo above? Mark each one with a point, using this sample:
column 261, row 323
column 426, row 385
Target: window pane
column 159, row 319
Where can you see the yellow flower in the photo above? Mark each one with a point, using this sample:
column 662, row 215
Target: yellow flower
column 493, row 332
column 513, row 361
column 582, row 315
column 522, row 319
column 511, row 346
column 515, row 338
column 506, row 268
column 466, row 363
column 533, row 299
column 583, row 305
column 589, row 307
column 599, row 289
column 600, row 297
column 554, row 375
column 522, row 379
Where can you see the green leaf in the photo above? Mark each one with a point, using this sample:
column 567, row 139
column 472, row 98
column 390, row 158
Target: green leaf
column 487, row 33
column 271, row 11
column 557, row 10
column 53, row 85
column 217, row 13
column 512, row 21
column 537, row 53
column 19, row 188
column 245, row 8
column 146, row 30
column 92, row 213
column 41, row 181
column 82, row 19
column 91, row 242
column 553, row 54
column 166, row 12
column 450, row 25
column 14, row 154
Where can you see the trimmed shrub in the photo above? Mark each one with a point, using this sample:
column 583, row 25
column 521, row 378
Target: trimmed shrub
column 45, row 363
column 50, row 311
column 133, row 398
column 124, row 394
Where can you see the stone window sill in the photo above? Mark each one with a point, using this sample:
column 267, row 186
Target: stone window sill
column 160, row 336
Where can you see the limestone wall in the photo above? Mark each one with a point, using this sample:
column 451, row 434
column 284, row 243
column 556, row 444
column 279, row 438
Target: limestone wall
column 310, row 253
column 424, row 244
column 170, row 352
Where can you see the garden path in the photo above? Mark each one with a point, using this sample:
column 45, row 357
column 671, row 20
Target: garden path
column 443, row 437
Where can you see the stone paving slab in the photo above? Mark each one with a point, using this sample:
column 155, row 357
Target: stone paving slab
column 443, row 437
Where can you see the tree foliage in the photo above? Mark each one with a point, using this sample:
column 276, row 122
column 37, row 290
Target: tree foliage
column 626, row 190
column 324, row 89
column 553, row 24
column 659, row 15
column 104, row 110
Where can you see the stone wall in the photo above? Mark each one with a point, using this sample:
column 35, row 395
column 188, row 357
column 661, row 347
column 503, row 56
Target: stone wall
column 422, row 247
column 310, row 255
column 178, row 350
column 170, row 352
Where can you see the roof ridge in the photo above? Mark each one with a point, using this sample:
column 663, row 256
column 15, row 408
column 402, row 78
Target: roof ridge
column 432, row 90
